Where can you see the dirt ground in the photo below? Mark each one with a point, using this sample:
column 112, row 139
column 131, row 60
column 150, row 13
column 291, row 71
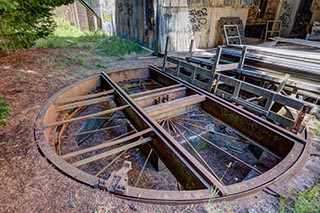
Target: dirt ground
column 28, row 182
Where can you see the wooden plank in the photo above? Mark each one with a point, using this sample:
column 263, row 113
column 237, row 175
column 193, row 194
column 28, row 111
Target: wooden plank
column 172, row 105
column 85, row 117
column 259, row 91
column 228, row 80
column 223, row 94
column 152, row 95
column 82, row 97
column 243, row 57
column 84, row 103
column 281, row 119
column 149, row 100
column 173, row 60
column 225, row 67
column 184, row 77
column 283, row 83
column 112, row 152
column 237, row 89
column 298, row 41
column 165, row 54
column 106, row 144
column 204, row 72
column 214, row 68
column 170, row 71
column 187, row 66
column 136, row 95
column 289, row 101
column 270, row 77
column 200, row 84
column 250, row 106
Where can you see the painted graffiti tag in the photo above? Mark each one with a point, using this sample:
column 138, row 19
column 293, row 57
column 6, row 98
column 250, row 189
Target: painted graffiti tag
column 285, row 17
column 129, row 9
column 120, row 7
column 198, row 19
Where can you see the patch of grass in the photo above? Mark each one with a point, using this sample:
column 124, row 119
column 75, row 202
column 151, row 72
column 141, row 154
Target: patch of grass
column 305, row 202
column 121, row 58
column 4, row 111
column 82, row 73
column 317, row 130
column 98, row 65
column 78, row 59
column 67, row 35
column 115, row 46
column 19, row 76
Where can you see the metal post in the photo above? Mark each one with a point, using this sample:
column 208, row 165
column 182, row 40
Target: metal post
column 165, row 55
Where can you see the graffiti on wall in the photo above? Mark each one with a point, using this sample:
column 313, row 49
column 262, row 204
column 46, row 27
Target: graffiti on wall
column 107, row 20
column 285, row 17
column 126, row 8
column 129, row 9
column 198, row 19
column 120, row 7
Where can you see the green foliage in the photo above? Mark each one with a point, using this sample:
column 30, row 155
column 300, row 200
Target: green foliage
column 67, row 35
column 307, row 201
column 23, row 22
column 4, row 111
column 115, row 46
column 317, row 130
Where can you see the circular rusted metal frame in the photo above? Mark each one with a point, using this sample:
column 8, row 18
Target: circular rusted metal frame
column 293, row 163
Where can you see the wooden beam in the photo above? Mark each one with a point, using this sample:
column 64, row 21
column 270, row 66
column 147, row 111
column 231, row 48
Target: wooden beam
column 106, row 144
column 149, row 100
column 82, row 97
column 227, row 67
column 173, row 105
column 85, row 117
column 84, row 103
column 137, row 95
column 112, row 152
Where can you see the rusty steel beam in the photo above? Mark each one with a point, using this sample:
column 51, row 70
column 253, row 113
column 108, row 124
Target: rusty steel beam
column 106, row 144
column 111, row 152
column 179, row 161
column 60, row 101
column 171, row 108
column 85, row 117
column 84, row 103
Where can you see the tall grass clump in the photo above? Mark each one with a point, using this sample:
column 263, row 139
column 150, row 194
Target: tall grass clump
column 115, row 46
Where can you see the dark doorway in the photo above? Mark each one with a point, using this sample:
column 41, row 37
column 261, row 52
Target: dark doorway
column 302, row 22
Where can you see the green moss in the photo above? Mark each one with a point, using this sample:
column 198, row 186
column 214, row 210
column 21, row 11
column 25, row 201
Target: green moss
column 4, row 111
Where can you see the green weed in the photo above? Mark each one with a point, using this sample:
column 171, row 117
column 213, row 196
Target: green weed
column 317, row 130
column 4, row 111
column 214, row 193
column 82, row 73
column 19, row 76
column 305, row 202
column 121, row 58
column 115, row 46
column 98, row 65
column 67, row 35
